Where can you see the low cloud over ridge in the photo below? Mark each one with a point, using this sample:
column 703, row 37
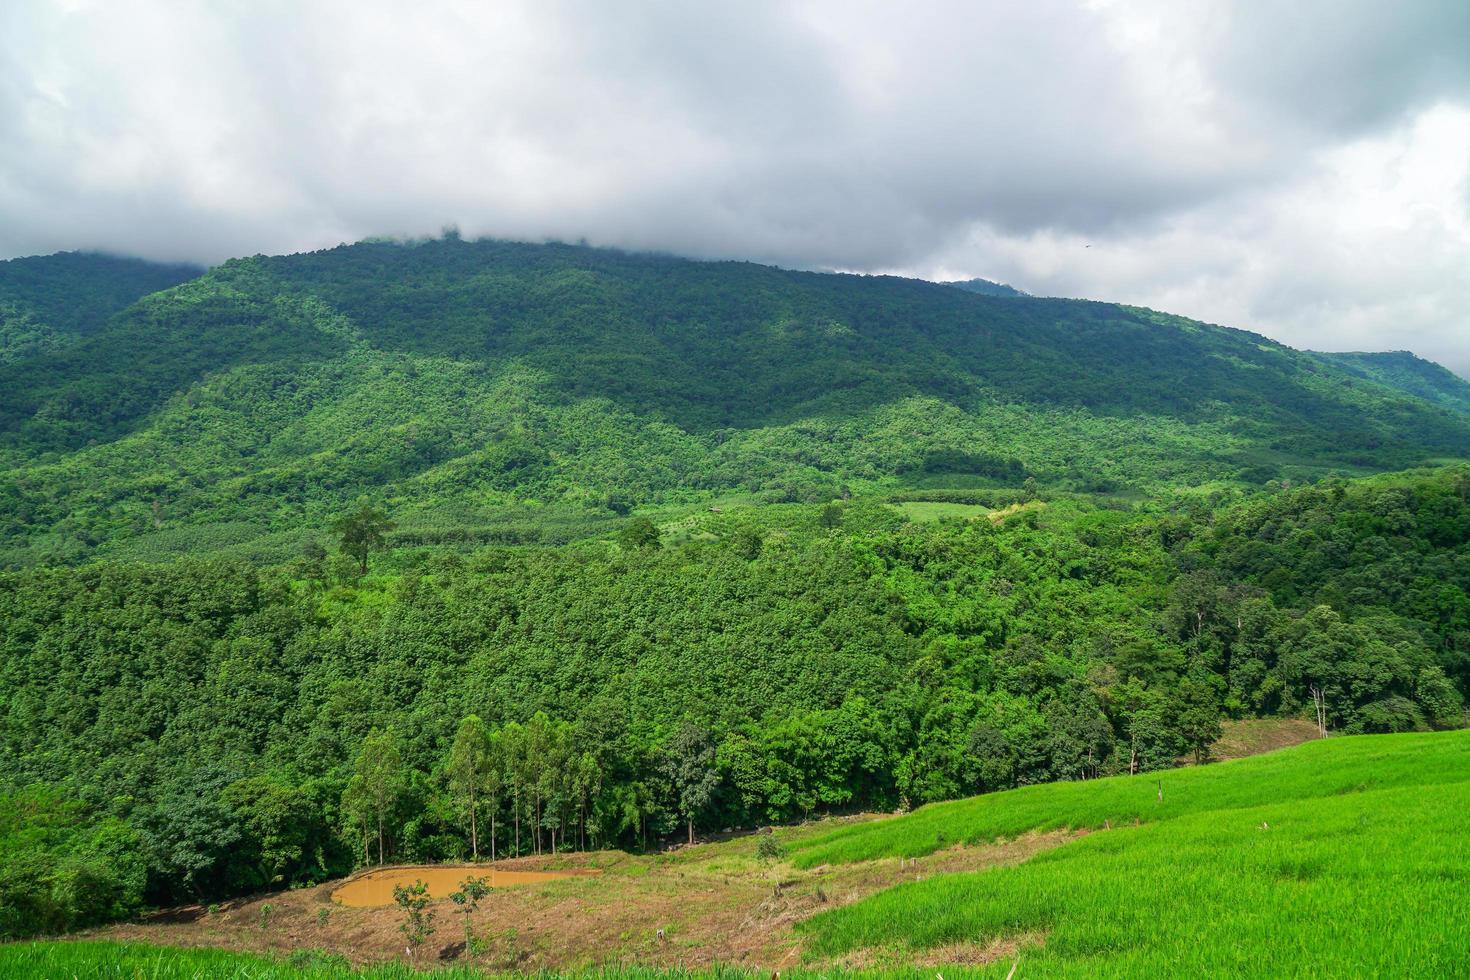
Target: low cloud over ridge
column 1302, row 170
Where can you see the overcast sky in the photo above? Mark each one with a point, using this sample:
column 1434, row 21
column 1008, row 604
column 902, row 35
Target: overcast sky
column 1301, row 169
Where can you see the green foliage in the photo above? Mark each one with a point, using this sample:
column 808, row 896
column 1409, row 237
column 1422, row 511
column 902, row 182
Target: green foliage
column 639, row 534
column 49, row 302
column 473, row 773
column 220, row 727
column 362, row 532
column 377, row 786
column 468, row 897
column 418, row 919
column 768, row 848
column 1409, row 374
column 63, row 867
column 688, row 764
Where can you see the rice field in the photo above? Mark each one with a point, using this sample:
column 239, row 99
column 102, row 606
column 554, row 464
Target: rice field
column 142, row 961
column 1360, row 867
column 1316, row 769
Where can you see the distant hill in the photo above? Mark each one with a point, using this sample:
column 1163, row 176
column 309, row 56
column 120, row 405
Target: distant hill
column 48, row 301
column 986, row 288
column 1408, row 373
column 513, row 392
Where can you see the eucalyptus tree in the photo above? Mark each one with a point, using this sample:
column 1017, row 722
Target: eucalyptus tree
column 468, row 770
column 378, row 782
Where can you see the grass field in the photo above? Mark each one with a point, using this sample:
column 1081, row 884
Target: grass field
column 136, row 961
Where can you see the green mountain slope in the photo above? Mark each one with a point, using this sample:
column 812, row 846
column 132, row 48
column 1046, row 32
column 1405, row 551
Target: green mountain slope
column 495, row 385
column 49, row 301
column 1408, row 373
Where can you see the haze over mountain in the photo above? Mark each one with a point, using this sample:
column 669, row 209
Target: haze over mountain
column 465, row 382
column 986, row 288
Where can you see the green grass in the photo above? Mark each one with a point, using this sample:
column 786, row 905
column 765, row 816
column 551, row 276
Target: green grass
column 1369, row 884
column 1316, row 769
column 1361, row 868
column 137, row 961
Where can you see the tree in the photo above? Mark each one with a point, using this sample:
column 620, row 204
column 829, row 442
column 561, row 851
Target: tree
column 1142, row 713
column 689, row 765
column 468, row 770
column 639, row 534
column 277, row 821
column 471, row 890
column 361, row 532
column 747, row 543
column 1197, row 717
column 377, row 783
column 193, row 832
column 768, row 848
column 418, row 918
column 831, row 516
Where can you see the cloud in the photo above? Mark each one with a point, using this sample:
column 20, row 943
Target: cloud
column 1294, row 168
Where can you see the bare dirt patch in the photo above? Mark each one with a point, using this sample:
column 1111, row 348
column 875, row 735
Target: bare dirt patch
column 1239, row 739
column 374, row 888
column 697, row 906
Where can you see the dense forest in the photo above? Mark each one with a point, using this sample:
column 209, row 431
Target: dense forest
column 509, row 392
column 210, row 727
column 454, row 549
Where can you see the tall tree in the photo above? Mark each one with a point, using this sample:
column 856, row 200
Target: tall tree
column 361, row 532
column 689, row 765
column 468, row 769
column 377, row 784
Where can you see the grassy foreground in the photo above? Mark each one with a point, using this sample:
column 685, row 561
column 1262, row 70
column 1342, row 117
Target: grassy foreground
column 135, row 961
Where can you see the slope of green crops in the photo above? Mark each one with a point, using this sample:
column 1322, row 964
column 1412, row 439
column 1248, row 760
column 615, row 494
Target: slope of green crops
column 1317, row 769
column 136, row 961
column 1363, row 869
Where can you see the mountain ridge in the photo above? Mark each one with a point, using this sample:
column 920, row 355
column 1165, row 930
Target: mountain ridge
column 502, row 384
column 1408, row 372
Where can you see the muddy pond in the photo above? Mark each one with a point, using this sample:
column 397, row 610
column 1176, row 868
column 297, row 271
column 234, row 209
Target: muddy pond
column 374, row 888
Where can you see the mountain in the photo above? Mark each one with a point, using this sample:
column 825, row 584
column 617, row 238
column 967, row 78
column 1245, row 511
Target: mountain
column 1408, row 373
column 985, row 287
column 507, row 391
column 49, row 301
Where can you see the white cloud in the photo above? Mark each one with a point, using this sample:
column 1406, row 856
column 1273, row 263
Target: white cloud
column 1295, row 168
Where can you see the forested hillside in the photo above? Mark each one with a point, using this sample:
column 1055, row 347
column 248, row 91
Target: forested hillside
column 210, row 727
column 1412, row 375
column 492, row 391
column 48, row 302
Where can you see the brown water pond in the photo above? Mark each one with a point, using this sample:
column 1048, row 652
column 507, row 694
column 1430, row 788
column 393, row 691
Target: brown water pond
column 374, row 888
